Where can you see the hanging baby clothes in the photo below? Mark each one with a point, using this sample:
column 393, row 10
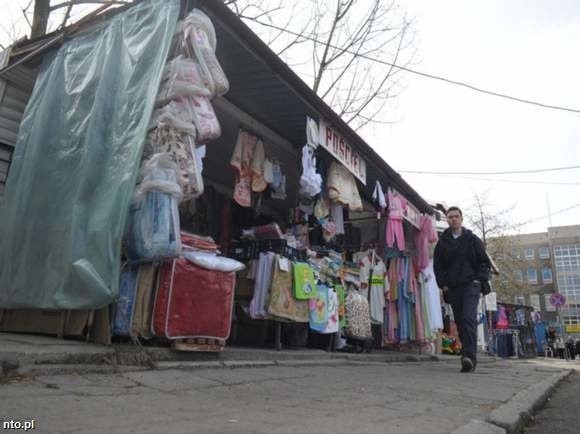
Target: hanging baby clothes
column 397, row 209
column 414, row 288
column 377, row 292
column 241, row 161
column 394, row 277
column 332, row 308
column 379, row 196
column 259, row 183
column 262, row 286
column 337, row 217
column 279, row 183
column 433, row 298
column 364, row 264
column 310, row 181
column 342, row 187
column 502, row 318
column 426, row 236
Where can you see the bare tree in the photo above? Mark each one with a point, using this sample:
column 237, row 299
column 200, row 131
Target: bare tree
column 498, row 231
column 45, row 9
column 346, row 50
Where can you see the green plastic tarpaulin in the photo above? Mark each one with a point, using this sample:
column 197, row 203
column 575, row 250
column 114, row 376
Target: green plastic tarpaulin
column 76, row 161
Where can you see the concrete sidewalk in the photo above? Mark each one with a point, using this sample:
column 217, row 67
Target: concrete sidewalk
column 339, row 396
column 34, row 355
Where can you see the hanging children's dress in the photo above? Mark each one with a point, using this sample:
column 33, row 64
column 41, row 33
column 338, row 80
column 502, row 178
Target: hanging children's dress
column 342, row 187
column 377, row 292
column 397, row 209
column 426, row 236
column 241, row 161
column 324, row 310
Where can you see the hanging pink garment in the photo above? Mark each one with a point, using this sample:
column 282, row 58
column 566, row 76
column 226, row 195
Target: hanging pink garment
column 242, row 163
column 426, row 236
column 415, row 289
column 397, row 209
column 391, row 297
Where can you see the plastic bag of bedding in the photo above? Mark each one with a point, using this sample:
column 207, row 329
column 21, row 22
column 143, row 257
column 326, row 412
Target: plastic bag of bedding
column 153, row 230
column 211, row 261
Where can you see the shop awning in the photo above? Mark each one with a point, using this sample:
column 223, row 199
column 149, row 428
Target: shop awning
column 262, row 85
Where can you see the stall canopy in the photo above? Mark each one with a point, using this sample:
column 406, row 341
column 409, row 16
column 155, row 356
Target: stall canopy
column 263, row 85
column 76, row 159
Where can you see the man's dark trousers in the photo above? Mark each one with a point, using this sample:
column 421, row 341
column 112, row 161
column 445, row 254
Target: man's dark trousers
column 464, row 301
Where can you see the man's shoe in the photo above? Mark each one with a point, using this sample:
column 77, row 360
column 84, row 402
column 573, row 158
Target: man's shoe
column 467, row 364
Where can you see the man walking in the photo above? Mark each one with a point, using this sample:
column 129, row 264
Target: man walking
column 462, row 269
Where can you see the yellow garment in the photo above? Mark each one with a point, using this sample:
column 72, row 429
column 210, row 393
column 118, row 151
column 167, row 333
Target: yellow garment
column 259, row 184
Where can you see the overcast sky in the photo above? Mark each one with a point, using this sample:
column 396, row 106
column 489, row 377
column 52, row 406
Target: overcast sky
column 525, row 48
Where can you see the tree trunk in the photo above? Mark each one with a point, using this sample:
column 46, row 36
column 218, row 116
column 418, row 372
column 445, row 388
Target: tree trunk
column 40, row 18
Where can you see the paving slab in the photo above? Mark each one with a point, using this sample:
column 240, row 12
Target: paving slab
column 397, row 398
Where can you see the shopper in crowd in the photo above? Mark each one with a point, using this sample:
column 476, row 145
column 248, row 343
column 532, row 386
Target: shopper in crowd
column 571, row 347
column 462, row 269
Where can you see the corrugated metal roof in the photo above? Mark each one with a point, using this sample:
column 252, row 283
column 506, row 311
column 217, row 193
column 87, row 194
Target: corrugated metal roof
column 264, row 86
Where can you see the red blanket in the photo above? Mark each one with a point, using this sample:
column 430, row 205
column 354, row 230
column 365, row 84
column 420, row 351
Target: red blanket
column 193, row 302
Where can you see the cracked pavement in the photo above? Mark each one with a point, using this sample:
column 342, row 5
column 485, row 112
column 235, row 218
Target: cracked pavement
column 341, row 398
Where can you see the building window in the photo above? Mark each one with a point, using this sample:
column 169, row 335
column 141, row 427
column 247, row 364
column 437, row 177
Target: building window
column 518, row 275
column 571, row 314
column 516, row 253
column 519, row 299
column 529, row 252
column 544, row 253
column 532, row 276
column 567, row 262
column 535, row 302
column 547, row 275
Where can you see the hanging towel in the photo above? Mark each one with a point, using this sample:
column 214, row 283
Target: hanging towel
column 304, row 283
column 241, row 161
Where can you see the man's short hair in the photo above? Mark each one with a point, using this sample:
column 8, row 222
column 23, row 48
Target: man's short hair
column 454, row 208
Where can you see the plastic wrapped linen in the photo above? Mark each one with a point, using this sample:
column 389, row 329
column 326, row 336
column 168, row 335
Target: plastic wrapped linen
column 199, row 43
column 153, row 229
column 186, row 99
column 182, row 77
column 188, row 158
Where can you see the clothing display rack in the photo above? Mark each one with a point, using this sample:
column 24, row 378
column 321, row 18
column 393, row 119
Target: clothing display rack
column 251, row 249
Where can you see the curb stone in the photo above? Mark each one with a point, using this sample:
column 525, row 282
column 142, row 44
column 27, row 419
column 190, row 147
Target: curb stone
column 479, row 427
column 513, row 415
column 66, row 369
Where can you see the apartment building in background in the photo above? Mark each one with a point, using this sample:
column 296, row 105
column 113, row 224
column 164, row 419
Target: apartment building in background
column 545, row 263
column 565, row 246
column 533, row 272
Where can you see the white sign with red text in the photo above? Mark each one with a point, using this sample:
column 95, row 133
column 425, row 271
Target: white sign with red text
column 337, row 145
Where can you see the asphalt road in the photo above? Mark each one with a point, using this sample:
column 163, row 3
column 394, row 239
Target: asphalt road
column 561, row 414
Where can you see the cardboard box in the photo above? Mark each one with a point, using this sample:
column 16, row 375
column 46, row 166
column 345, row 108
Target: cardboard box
column 60, row 323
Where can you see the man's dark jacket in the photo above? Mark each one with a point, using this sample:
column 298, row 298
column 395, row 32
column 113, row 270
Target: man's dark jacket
column 460, row 261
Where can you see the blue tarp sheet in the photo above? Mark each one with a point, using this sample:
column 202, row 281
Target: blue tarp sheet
column 76, row 161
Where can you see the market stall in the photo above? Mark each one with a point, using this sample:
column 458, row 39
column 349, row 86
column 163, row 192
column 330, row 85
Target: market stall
column 259, row 215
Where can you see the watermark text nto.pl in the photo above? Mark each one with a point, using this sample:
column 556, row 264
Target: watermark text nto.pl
column 23, row 425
